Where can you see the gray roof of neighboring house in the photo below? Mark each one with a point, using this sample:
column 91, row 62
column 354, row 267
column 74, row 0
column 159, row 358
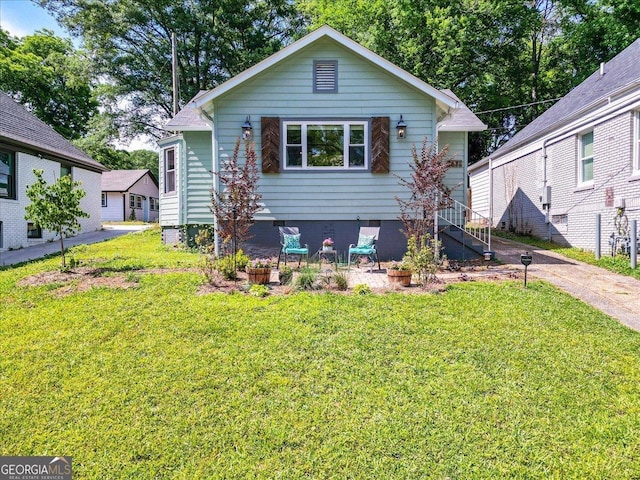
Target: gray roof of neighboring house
column 22, row 128
column 188, row 117
column 621, row 72
column 462, row 119
column 123, row 180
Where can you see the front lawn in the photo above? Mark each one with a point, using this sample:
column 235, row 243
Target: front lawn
column 483, row 381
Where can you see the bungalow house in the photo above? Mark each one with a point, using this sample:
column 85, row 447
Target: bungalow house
column 578, row 159
column 129, row 195
column 322, row 97
column 27, row 144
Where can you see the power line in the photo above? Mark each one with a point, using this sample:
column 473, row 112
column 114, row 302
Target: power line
column 517, row 106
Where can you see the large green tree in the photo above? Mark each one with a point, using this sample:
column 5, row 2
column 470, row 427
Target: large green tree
column 130, row 42
column 50, row 78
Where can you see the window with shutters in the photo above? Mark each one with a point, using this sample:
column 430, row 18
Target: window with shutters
column 325, row 76
column 326, row 145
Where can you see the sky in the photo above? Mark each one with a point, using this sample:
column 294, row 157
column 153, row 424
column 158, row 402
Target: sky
column 22, row 17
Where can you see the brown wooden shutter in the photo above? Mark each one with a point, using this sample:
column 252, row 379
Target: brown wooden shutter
column 270, row 144
column 380, row 144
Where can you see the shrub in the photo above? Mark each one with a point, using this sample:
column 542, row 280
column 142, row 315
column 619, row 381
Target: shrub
column 307, row 279
column 285, row 275
column 420, row 257
column 341, row 281
column 225, row 265
column 259, row 290
column 362, row 289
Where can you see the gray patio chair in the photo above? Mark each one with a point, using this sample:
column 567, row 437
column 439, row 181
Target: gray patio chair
column 290, row 245
column 366, row 246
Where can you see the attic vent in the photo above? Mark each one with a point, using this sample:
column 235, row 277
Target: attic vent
column 325, row 76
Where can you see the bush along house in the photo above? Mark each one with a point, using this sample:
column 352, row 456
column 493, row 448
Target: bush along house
column 333, row 126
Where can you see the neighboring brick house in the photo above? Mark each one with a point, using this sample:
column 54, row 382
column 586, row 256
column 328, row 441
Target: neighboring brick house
column 27, row 144
column 129, row 195
column 578, row 159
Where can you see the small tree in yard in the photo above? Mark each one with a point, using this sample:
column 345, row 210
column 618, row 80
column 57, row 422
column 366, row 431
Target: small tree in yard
column 428, row 194
column 55, row 207
column 236, row 200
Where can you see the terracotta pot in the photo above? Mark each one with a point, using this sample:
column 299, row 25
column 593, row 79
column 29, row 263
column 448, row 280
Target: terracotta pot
column 260, row 276
column 401, row 277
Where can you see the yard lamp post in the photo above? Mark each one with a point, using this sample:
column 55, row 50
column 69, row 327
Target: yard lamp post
column 526, row 260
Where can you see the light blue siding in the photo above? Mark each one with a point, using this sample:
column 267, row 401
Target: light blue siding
column 456, row 176
column 364, row 91
column 198, row 178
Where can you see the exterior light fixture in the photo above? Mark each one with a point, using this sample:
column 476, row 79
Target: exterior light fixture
column 401, row 128
column 247, row 128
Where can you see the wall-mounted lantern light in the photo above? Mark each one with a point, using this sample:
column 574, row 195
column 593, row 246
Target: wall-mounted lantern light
column 246, row 128
column 401, row 128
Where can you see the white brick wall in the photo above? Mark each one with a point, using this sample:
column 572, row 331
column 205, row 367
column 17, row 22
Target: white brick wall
column 14, row 226
column 517, row 186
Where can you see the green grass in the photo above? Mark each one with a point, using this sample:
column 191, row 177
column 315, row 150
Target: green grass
column 482, row 381
column 618, row 264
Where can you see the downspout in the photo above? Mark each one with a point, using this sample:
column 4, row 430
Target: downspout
column 490, row 200
column 544, row 185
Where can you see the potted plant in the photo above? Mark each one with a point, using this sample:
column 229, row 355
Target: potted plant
column 259, row 271
column 399, row 273
column 327, row 244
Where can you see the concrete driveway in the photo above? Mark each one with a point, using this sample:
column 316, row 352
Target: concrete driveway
column 13, row 257
column 616, row 295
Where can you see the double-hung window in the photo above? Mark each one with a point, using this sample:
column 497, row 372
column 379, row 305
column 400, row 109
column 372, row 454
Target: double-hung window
column 585, row 162
column 326, row 145
column 7, row 174
column 170, row 170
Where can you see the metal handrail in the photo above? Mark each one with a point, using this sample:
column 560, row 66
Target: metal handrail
column 469, row 221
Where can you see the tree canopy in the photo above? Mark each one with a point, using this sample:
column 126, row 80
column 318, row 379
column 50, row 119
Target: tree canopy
column 50, row 78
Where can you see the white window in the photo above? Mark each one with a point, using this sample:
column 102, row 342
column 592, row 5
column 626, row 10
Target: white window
column 104, row 199
column 327, row 145
column 169, row 170
column 585, row 163
column 153, row 203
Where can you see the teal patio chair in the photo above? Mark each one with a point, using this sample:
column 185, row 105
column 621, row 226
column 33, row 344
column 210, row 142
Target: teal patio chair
column 366, row 246
column 290, row 245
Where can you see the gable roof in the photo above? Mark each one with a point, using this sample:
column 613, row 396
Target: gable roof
column 619, row 75
column 123, row 180
column 462, row 119
column 23, row 129
column 442, row 99
column 188, row 118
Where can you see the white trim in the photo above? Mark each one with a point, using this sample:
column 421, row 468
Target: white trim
column 636, row 143
column 582, row 183
column 325, row 31
column 346, row 124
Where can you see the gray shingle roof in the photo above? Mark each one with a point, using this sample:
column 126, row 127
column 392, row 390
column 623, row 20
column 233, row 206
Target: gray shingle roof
column 123, row 180
column 463, row 119
column 188, row 118
column 620, row 72
column 22, row 128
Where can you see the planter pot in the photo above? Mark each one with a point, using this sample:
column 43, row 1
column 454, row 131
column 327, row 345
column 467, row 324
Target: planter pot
column 260, row 276
column 399, row 277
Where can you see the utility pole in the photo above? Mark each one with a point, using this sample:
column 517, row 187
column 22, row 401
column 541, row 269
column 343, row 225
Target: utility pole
column 174, row 71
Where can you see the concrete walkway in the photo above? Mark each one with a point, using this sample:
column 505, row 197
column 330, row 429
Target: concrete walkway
column 13, row 257
column 616, row 295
